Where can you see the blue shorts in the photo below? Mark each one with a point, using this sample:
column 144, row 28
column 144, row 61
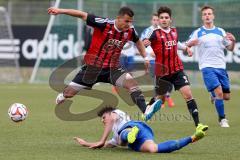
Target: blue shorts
column 214, row 77
column 145, row 133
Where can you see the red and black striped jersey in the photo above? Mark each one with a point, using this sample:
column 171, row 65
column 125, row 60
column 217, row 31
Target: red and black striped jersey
column 164, row 45
column 107, row 42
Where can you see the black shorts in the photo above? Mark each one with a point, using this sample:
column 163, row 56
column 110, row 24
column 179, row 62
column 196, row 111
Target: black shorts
column 178, row 80
column 90, row 75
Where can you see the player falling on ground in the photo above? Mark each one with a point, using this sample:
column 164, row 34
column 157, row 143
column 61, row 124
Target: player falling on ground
column 102, row 58
column 151, row 55
column 137, row 135
column 168, row 66
column 211, row 42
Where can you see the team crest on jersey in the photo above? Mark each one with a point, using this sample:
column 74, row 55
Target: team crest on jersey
column 174, row 34
column 110, row 32
column 125, row 35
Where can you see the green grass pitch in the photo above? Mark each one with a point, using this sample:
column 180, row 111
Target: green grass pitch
column 44, row 136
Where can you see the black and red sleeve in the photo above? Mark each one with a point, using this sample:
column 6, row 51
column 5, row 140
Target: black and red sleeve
column 135, row 36
column 95, row 21
column 152, row 36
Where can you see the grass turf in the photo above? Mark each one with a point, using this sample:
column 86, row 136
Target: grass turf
column 44, row 136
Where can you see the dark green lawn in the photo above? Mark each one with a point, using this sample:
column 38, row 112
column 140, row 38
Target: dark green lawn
column 44, row 136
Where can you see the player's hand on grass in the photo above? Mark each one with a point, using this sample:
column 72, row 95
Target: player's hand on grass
column 80, row 141
column 95, row 145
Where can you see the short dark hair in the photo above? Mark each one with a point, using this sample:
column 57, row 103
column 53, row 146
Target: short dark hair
column 106, row 109
column 165, row 9
column 126, row 10
column 154, row 14
column 207, row 7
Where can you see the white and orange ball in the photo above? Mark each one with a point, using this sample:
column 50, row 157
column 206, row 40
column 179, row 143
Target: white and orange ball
column 18, row 112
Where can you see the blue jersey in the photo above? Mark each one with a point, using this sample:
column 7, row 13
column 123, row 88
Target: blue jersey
column 210, row 49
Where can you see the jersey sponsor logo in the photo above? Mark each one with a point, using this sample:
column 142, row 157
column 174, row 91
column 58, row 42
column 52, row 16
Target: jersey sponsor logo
column 112, row 44
column 169, row 44
column 115, row 42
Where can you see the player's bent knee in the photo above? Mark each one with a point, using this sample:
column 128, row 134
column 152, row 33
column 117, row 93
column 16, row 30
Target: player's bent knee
column 186, row 93
column 126, row 81
column 220, row 95
column 130, row 84
column 152, row 149
column 188, row 96
column 149, row 146
column 69, row 92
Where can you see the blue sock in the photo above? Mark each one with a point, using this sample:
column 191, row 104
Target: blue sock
column 124, row 134
column 173, row 145
column 220, row 108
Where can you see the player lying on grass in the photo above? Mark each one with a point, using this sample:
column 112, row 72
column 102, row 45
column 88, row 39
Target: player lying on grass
column 137, row 135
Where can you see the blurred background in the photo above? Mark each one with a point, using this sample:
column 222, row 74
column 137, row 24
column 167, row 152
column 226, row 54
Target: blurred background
column 32, row 45
column 186, row 12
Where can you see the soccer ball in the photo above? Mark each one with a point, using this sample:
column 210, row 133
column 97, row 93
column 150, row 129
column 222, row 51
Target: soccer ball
column 17, row 112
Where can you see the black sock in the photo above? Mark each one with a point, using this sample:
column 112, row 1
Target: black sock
column 192, row 107
column 221, row 117
column 152, row 100
column 139, row 100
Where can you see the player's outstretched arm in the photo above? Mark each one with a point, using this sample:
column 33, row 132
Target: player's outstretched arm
column 185, row 48
column 82, row 142
column 192, row 43
column 70, row 12
column 109, row 145
column 107, row 130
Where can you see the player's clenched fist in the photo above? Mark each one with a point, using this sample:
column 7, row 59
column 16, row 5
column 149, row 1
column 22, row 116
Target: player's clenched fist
column 54, row 11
